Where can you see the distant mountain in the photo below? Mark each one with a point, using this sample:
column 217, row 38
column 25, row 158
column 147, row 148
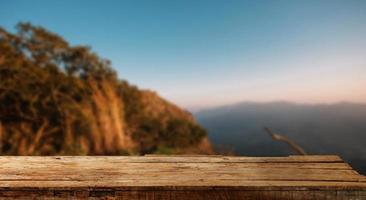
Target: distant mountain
column 320, row 129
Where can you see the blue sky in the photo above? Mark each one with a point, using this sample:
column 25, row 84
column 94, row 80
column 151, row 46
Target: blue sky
column 202, row 53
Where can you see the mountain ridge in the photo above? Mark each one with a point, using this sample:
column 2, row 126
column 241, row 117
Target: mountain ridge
column 336, row 128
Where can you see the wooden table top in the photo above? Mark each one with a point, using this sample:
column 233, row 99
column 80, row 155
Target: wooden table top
column 178, row 172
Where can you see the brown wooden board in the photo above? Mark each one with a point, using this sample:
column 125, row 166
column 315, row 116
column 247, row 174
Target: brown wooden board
column 179, row 177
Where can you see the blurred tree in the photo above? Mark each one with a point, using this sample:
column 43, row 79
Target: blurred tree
column 62, row 99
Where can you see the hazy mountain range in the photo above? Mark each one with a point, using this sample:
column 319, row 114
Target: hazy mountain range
column 320, row 129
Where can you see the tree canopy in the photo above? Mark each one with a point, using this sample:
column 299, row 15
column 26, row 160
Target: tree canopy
column 61, row 99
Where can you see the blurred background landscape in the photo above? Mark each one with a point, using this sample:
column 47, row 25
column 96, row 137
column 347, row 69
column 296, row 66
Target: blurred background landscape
column 183, row 77
column 319, row 129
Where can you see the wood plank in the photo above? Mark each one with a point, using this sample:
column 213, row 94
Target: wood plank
column 178, row 159
column 191, row 173
column 216, row 166
column 179, row 177
column 184, row 195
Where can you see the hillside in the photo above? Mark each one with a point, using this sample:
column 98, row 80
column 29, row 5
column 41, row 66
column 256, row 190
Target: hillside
column 320, row 129
column 58, row 99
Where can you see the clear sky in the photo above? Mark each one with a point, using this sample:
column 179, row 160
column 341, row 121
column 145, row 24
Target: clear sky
column 201, row 53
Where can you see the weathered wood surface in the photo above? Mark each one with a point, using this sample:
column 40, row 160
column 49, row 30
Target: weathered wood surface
column 179, row 177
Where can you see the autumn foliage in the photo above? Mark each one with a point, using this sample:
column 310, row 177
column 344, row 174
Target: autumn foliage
column 61, row 99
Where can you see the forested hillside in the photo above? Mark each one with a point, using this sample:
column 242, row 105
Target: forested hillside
column 61, row 99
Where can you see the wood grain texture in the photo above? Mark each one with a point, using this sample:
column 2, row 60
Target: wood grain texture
column 179, row 177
